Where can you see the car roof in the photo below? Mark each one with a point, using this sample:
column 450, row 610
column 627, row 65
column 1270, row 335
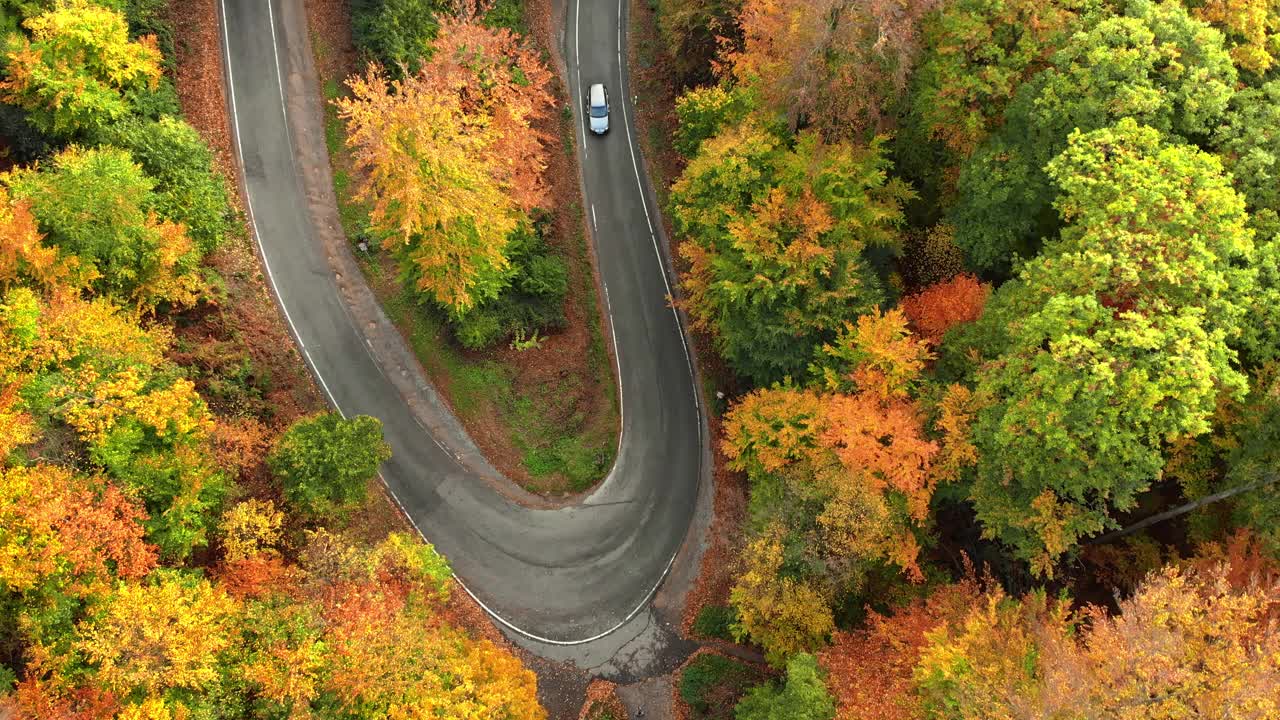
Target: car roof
column 597, row 94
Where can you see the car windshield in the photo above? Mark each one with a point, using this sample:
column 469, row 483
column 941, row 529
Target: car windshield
column 599, row 111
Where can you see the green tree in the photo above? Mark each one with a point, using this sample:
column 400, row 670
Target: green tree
column 188, row 188
column 98, row 205
column 532, row 302
column 1242, row 450
column 704, row 112
column 78, row 67
column 1116, row 339
column 1248, row 141
column 979, row 53
column 396, row 32
column 325, row 462
column 776, row 239
column 1155, row 63
column 803, row 696
column 1259, row 341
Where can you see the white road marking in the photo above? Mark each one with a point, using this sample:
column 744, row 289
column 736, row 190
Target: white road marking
column 576, row 100
column 662, row 268
column 594, row 227
column 275, row 53
column 622, row 413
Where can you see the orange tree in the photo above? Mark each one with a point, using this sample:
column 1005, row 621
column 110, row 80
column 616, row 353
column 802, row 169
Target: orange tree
column 450, row 160
column 834, row 65
column 842, row 475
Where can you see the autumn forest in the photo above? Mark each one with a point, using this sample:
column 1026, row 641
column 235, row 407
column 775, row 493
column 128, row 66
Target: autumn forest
column 978, row 287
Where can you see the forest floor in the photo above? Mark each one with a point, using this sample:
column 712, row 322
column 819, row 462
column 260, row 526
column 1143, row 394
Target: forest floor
column 545, row 416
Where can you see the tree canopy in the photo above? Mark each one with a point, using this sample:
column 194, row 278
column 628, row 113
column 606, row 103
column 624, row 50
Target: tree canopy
column 450, row 159
column 1117, row 341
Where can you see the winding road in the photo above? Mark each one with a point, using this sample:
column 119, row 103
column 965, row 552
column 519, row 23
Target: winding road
column 558, row 576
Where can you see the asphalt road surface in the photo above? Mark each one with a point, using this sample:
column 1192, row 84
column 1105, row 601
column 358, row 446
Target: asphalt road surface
column 564, row 575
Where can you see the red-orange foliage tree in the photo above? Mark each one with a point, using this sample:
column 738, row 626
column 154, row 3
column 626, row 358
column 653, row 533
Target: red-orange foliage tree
column 842, row 477
column 77, row 532
column 870, row 671
column 940, row 307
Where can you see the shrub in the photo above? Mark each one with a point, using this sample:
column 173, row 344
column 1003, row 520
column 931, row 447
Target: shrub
column 507, row 14
column 803, row 696
column 715, row 621
column 532, row 302
column 395, row 32
column 326, row 461
column 711, row 684
column 478, row 329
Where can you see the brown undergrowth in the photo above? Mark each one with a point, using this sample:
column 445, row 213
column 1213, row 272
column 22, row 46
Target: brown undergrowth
column 602, row 702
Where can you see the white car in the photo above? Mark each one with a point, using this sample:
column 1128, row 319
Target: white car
column 598, row 108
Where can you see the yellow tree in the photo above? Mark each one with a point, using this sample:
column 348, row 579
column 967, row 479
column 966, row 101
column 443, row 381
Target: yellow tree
column 1187, row 644
column 74, row 72
column 784, row 614
column 1251, row 27
column 169, row 633
column 91, row 366
column 77, row 532
column 450, row 158
column 389, row 660
column 251, row 529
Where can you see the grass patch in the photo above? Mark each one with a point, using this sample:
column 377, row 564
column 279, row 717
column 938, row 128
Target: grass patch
column 478, row 387
column 353, row 214
column 712, row 685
